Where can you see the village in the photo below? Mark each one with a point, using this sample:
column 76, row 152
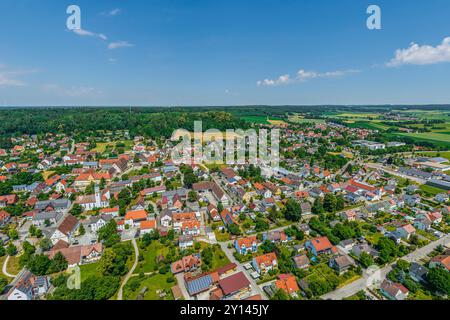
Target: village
column 117, row 212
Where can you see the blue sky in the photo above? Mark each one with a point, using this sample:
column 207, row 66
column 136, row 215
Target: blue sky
column 224, row 52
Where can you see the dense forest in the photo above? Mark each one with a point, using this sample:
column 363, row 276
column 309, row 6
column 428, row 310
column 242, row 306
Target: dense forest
column 152, row 122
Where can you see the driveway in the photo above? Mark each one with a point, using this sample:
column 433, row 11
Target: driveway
column 182, row 285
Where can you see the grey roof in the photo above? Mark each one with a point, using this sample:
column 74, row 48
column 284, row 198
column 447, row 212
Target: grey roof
column 181, row 192
column 105, row 217
column 57, row 204
column 46, row 215
column 415, row 172
column 418, row 270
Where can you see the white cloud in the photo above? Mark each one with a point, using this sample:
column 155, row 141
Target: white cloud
column 6, row 81
column 303, row 76
column 9, row 78
column 112, row 13
column 231, row 93
column 284, row 79
column 87, row 33
column 119, row 44
column 422, row 55
column 73, row 91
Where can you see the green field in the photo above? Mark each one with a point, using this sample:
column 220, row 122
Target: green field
column 427, row 114
column 371, row 125
column 101, row 147
column 431, row 190
column 149, row 264
column 154, row 284
column 89, row 270
column 430, row 136
column 259, row 119
column 300, row 119
column 352, row 115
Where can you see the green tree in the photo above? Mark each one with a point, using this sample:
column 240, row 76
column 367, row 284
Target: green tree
column 192, row 196
column 366, row 259
column 234, row 229
column 106, row 264
column 280, row 295
column 261, row 225
column 292, row 211
column 387, row 249
column 340, row 202
column 13, row 234
column 317, row 207
column 28, row 248
column 439, row 279
column 45, row 244
column 330, row 202
column 267, row 246
column 108, row 234
column 58, row 263
column 76, row 210
column 11, row 249
column 81, row 230
column 39, row 264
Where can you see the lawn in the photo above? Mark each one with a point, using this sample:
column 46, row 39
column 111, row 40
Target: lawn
column 128, row 144
column 153, row 284
column 321, row 272
column 89, row 270
column 47, row 174
column 373, row 238
column 220, row 259
column 101, row 147
column 13, row 266
column 150, row 254
column 2, row 260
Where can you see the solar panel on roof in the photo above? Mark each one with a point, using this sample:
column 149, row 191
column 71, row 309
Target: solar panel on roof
column 198, row 285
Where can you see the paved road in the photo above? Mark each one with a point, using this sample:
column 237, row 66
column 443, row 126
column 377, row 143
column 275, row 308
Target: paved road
column 361, row 283
column 130, row 273
column 229, row 252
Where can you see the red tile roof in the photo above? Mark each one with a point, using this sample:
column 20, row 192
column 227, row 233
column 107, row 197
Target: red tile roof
column 234, row 283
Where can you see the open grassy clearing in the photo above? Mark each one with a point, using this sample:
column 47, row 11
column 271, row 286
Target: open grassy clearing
column 89, row 270
column 13, row 266
column 300, row 119
column 153, row 286
column 101, row 147
column 150, row 253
